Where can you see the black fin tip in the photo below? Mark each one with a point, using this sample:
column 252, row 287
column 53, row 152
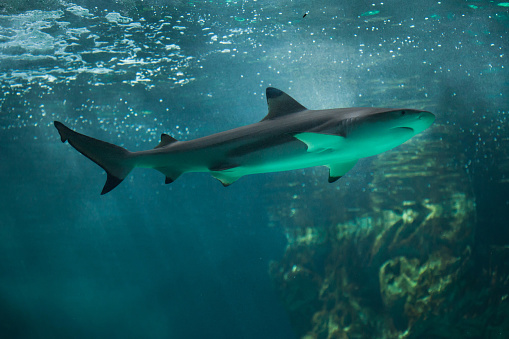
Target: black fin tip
column 272, row 92
column 60, row 127
column 333, row 179
column 111, row 182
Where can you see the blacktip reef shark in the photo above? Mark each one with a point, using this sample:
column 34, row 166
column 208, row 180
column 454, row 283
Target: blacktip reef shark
column 290, row 137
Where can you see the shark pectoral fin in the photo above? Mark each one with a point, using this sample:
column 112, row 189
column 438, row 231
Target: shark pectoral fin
column 170, row 173
column 226, row 177
column 318, row 142
column 336, row 171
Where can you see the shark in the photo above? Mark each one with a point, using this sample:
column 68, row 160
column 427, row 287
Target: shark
column 289, row 137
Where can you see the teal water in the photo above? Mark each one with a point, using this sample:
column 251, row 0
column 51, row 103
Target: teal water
column 191, row 259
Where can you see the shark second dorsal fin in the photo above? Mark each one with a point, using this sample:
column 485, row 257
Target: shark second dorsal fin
column 281, row 104
column 165, row 140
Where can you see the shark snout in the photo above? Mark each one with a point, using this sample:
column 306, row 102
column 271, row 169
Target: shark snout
column 427, row 116
column 424, row 120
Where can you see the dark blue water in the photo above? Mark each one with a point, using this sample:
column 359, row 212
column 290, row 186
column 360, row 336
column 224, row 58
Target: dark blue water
column 191, row 259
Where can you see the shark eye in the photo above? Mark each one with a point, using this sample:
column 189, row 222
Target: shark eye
column 403, row 112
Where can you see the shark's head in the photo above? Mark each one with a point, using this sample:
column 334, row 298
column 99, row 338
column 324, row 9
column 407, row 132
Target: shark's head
column 411, row 120
column 379, row 130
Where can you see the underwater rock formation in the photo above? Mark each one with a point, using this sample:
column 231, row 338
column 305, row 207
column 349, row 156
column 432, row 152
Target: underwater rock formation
column 399, row 266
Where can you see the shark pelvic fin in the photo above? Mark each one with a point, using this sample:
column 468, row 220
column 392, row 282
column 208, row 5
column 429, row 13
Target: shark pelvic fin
column 336, row 171
column 115, row 160
column 225, row 177
column 281, row 104
column 166, row 140
column 170, row 174
column 318, row 142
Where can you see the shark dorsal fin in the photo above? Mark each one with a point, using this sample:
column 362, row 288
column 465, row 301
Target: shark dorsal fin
column 165, row 141
column 281, row 104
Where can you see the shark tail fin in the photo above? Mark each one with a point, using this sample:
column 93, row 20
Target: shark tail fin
column 115, row 160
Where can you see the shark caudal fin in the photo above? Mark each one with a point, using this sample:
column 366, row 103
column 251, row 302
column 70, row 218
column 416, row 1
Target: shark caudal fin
column 115, row 160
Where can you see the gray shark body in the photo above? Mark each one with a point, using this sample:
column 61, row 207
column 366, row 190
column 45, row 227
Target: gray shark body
column 289, row 137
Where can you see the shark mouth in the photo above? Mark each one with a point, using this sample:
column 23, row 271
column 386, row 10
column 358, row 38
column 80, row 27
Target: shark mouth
column 404, row 128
